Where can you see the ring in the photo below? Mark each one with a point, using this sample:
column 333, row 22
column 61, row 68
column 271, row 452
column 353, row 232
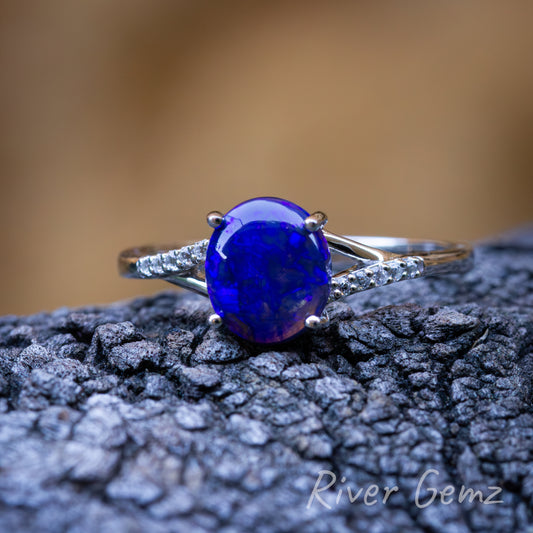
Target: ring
column 270, row 268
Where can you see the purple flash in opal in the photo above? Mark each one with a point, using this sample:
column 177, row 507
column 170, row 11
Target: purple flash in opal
column 265, row 272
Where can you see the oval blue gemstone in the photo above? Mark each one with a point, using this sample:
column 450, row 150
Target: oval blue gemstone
column 265, row 272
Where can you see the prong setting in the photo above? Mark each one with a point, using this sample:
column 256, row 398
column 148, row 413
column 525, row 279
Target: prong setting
column 312, row 322
column 215, row 219
column 215, row 320
column 316, row 322
column 315, row 221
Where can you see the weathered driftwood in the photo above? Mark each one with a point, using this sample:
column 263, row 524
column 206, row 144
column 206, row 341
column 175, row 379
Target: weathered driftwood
column 137, row 417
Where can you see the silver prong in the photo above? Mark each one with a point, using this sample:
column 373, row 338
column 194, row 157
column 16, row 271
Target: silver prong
column 215, row 218
column 315, row 221
column 312, row 322
column 215, row 320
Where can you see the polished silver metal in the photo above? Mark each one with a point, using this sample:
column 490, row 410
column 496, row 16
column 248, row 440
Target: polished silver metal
column 315, row 221
column 359, row 262
column 215, row 218
column 312, row 322
column 316, row 322
column 215, row 320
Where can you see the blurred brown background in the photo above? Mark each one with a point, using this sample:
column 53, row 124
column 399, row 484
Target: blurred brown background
column 125, row 122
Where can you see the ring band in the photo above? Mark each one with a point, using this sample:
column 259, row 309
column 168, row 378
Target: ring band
column 357, row 263
column 178, row 263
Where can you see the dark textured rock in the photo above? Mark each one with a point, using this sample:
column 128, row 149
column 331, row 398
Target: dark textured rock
column 133, row 355
column 138, row 417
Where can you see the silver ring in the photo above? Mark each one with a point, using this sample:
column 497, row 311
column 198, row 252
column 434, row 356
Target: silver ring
column 356, row 263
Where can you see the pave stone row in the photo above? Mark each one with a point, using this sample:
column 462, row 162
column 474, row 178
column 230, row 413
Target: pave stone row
column 376, row 275
column 184, row 259
column 173, row 262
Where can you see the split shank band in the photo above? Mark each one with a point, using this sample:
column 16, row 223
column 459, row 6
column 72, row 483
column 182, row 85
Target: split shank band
column 359, row 262
column 270, row 268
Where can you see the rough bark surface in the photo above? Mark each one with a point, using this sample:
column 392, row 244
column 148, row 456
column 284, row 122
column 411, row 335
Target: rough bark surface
column 138, row 417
